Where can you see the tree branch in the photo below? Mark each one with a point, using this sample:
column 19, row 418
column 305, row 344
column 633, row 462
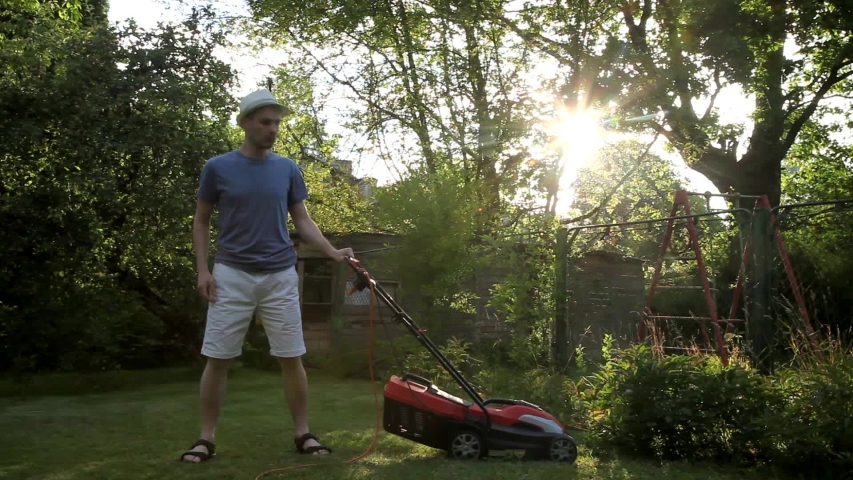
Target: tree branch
column 833, row 79
column 717, row 165
column 714, row 95
column 547, row 45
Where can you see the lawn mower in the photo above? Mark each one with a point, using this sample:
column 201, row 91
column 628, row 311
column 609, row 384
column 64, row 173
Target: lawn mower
column 417, row 410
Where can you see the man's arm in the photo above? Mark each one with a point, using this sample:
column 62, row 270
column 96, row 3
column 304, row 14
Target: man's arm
column 201, row 233
column 312, row 234
column 201, row 237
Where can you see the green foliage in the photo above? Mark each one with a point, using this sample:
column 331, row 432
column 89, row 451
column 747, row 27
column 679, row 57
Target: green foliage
column 813, row 420
column 21, row 18
column 691, row 407
column 523, row 299
column 678, row 407
column 436, row 216
column 682, row 407
column 107, row 132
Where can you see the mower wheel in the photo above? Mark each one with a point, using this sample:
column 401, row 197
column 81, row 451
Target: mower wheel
column 467, row 445
column 563, row 449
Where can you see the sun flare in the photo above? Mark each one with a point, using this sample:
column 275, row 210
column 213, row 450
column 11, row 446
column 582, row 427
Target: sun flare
column 577, row 136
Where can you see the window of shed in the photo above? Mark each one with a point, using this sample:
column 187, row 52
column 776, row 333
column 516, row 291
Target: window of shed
column 363, row 297
column 317, row 282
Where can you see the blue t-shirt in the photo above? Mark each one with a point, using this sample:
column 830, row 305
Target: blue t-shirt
column 253, row 197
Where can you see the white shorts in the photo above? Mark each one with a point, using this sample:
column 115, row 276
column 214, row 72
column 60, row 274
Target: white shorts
column 239, row 294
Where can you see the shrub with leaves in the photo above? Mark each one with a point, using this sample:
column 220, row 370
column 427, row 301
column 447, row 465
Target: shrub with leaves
column 435, row 214
column 692, row 407
column 812, row 419
column 679, row 406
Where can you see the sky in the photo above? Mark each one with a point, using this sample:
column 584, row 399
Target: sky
column 253, row 69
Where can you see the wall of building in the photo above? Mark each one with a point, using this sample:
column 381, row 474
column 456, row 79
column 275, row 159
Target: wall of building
column 607, row 295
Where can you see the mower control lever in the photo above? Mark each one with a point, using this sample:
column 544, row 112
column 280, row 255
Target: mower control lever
column 507, row 401
column 417, row 378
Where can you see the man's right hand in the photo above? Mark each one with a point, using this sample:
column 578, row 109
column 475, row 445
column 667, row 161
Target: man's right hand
column 207, row 286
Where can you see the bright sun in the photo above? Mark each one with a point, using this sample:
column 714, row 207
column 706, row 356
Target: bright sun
column 577, row 135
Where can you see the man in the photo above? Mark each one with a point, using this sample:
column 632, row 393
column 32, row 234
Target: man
column 254, row 269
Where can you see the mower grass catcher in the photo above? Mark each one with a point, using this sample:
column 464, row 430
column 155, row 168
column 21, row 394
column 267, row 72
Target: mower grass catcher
column 417, row 410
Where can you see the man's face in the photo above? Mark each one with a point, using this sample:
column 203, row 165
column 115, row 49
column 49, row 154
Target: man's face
column 262, row 127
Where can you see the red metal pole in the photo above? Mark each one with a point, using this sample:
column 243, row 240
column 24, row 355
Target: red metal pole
column 656, row 277
column 712, row 306
column 795, row 286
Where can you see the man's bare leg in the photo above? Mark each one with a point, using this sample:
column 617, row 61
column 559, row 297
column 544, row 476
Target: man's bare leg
column 296, row 391
column 212, row 396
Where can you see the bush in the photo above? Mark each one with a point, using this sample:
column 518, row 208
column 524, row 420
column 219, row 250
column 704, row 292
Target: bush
column 554, row 392
column 693, row 408
column 90, row 329
column 811, row 423
column 679, row 407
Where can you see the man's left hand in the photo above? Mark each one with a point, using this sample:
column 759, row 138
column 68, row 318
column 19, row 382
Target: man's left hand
column 339, row 255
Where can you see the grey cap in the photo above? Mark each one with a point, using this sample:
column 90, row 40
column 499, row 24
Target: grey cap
column 257, row 99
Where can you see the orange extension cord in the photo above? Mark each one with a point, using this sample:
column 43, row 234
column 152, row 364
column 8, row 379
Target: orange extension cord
column 375, row 399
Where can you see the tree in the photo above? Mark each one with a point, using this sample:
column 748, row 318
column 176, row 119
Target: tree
column 435, row 214
column 437, row 73
column 106, row 131
column 19, row 18
column 671, row 54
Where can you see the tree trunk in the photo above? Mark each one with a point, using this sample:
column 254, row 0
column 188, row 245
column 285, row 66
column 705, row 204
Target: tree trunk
column 757, row 173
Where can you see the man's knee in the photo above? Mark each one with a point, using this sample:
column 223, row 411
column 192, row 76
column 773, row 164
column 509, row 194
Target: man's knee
column 219, row 365
column 290, row 364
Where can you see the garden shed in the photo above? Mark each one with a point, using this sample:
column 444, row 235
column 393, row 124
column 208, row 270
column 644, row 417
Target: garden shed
column 606, row 295
column 328, row 313
column 331, row 317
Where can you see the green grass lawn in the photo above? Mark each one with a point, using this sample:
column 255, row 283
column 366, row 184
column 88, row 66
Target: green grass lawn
column 139, row 432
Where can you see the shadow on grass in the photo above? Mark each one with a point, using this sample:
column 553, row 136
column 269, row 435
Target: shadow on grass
column 73, row 384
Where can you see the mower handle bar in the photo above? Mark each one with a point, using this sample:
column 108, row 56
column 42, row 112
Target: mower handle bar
column 364, row 280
